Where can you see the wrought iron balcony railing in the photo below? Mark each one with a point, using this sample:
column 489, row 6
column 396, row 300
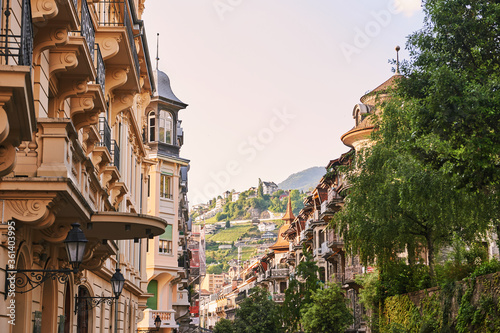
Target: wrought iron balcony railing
column 115, row 13
column 116, row 154
column 131, row 39
column 100, row 68
column 87, row 28
column 16, row 42
column 105, row 133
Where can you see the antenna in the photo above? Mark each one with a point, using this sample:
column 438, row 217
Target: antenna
column 397, row 59
column 157, row 43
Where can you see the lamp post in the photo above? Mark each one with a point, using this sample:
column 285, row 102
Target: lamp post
column 75, row 243
column 117, row 283
column 157, row 322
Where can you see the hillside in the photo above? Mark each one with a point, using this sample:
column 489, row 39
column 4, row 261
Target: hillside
column 303, row 180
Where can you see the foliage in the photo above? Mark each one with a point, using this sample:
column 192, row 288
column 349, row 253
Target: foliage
column 327, row 312
column 223, row 326
column 299, row 292
column 231, row 234
column 257, row 314
column 228, row 224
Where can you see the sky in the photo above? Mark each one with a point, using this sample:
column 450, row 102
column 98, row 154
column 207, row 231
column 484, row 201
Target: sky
column 271, row 85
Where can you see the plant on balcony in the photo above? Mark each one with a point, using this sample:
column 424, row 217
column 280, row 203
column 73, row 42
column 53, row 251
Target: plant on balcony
column 328, row 312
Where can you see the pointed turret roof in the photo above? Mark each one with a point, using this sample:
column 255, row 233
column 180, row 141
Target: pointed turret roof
column 281, row 243
column 289, row 217
column 164, row 90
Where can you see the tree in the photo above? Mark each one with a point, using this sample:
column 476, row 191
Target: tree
column 451, row 89
column 299, row 293
column 395, row 203
column 257, row 314
column 328, row 312
column 224, row 326
column 228, row 224
column 260, row 190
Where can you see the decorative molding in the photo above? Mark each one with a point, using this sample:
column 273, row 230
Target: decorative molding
column 43, row 10
column 48, row 38
column 7, row 158
column 83, row 112
column 117, row 192
column 109, row 46
column 109, row 177
column 56, row 233
column 62, row 61
column 115, row 77
column 100, row 158
column 39, row 213
column 69, row 88
column 122, row 101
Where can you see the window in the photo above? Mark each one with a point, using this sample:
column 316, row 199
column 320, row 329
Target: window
column 152, row 121
column 165, row 186
column 165, row 246
column 165, row 127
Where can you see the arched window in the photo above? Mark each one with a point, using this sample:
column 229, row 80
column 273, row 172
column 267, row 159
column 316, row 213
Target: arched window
column 165, row 127
column 151, row 125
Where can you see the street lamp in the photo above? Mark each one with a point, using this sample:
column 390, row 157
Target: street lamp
column 157, row 322
column 117, row 283
column 17, row 279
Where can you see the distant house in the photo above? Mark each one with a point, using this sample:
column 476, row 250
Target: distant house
column 267, row 227
column 219, row 203
column 235, row 196
column 268, row 235
column 225, row 247
column 226, row 194
column 269, row 187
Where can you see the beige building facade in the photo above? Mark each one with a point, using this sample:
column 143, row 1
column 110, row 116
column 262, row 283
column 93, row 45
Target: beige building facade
column 75, row 85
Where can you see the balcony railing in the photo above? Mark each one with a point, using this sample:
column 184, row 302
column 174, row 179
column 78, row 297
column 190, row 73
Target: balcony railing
column 116, row 155
column 115, row 13
column 87, row 28
column 105, row 133
column 279, row 272
column 16, row 42
column 352, row 271
column 279, row 298
column 241, row 296
column 131, row 39
column 334, row 196
column 100, row 68
column 110, row 13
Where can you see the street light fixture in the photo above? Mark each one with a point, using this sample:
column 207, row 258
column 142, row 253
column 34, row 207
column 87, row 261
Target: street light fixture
column 17, row 279
column 117, row 283
column 157, row 322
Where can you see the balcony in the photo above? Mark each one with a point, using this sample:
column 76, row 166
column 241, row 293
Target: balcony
column 105, row 133
column 16, row 44
column 279, row 273
column 241, row 296
column 148, row 321
column 115, row 152
column 278, row 298
column 336, row 243
column 351, row 272
column 100, row 68
column 325, row 250
column 116, row 37
column 334, row 198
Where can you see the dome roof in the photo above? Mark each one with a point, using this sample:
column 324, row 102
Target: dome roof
column 164, row 90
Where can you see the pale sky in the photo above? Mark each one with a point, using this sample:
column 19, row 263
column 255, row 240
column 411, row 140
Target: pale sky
column 271, row 84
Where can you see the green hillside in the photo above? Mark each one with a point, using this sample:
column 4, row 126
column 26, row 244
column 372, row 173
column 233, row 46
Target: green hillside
column 303, row 180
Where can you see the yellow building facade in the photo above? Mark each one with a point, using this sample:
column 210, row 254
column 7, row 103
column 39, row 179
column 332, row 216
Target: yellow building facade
column 75, row 85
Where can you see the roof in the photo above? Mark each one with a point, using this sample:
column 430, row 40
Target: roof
column 281, row 243
column 288, row 217
column 164, row 90
column 383, row 87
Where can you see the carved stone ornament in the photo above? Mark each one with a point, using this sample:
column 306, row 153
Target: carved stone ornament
column 48, row 38
column 42, row 10
column 7, row 158
column 38, row 213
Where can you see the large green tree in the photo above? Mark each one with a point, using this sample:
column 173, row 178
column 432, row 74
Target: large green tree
column 328, row 312
column 299, row 292
column 452, row 89
column 257, row 314
column 224, row 326
column 397, row 203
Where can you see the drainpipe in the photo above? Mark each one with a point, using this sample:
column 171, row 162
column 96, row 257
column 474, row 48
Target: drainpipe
column 116, row 300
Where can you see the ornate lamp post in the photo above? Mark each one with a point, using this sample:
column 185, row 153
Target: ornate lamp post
column 117, row 283
column 29, row 279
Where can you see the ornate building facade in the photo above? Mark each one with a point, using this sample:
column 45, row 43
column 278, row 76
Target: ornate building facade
column 76, row 83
